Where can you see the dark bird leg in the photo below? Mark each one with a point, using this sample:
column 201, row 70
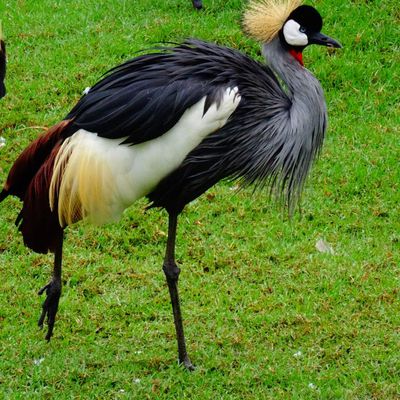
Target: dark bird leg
column 197, row 4
column 53, row 293
column 172, row 271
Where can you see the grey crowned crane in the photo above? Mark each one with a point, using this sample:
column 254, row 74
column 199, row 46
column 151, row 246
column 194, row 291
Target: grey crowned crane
column 3, row 61
column 169, row 125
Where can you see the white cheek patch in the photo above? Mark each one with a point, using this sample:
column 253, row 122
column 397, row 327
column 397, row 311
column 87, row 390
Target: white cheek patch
column 292, row 34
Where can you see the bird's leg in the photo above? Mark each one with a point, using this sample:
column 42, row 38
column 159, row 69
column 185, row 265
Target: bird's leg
column 53, row 293
column 172, row 271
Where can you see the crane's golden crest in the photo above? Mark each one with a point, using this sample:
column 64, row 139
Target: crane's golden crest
column 264, row 18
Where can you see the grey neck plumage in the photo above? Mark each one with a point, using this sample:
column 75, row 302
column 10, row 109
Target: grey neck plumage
column 308, row 112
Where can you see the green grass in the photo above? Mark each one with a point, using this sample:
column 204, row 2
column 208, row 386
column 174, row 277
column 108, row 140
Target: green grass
column 267, row 316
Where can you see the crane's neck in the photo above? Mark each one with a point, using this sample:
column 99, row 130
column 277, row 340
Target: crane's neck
column 303, row 89
column 303, row 124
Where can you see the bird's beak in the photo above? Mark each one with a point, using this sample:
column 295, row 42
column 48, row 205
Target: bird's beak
column 323, row 40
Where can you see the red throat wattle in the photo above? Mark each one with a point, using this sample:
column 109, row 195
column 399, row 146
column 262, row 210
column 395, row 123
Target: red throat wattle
column 298, row 55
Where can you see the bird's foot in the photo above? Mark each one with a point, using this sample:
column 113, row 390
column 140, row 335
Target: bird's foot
column 197, row 4
column 50, row 305
column 187, row 364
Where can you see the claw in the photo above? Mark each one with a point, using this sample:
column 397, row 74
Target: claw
column 41, row 291
column 188, row 364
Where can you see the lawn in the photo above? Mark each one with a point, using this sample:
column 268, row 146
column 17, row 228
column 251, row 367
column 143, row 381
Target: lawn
column 267, row 314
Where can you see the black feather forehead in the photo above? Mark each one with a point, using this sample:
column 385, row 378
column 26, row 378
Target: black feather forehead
column 308, row 17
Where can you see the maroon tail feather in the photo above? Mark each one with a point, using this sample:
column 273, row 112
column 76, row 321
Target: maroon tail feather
column 29, row 179
column 32, row 158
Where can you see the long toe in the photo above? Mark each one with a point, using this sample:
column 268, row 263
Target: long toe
column 41, row 318
column 51, row 316
column 50, row 325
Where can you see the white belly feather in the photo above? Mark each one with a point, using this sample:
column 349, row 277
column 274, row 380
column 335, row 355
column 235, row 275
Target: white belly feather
column 97, row 178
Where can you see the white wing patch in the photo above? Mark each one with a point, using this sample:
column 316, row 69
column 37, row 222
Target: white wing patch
column 98, row 178
column 293, row 36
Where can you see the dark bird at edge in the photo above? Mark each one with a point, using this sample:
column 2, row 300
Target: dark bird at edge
column 197, row 4
column 3, row 62
column 170, row 124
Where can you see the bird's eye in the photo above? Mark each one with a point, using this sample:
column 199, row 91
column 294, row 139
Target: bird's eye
column 302, row 29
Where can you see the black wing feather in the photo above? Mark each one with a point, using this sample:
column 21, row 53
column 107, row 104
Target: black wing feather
column 145, row 97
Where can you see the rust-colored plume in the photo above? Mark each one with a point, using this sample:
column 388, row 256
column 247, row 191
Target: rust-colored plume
column 31, row 159
column 29, row 179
